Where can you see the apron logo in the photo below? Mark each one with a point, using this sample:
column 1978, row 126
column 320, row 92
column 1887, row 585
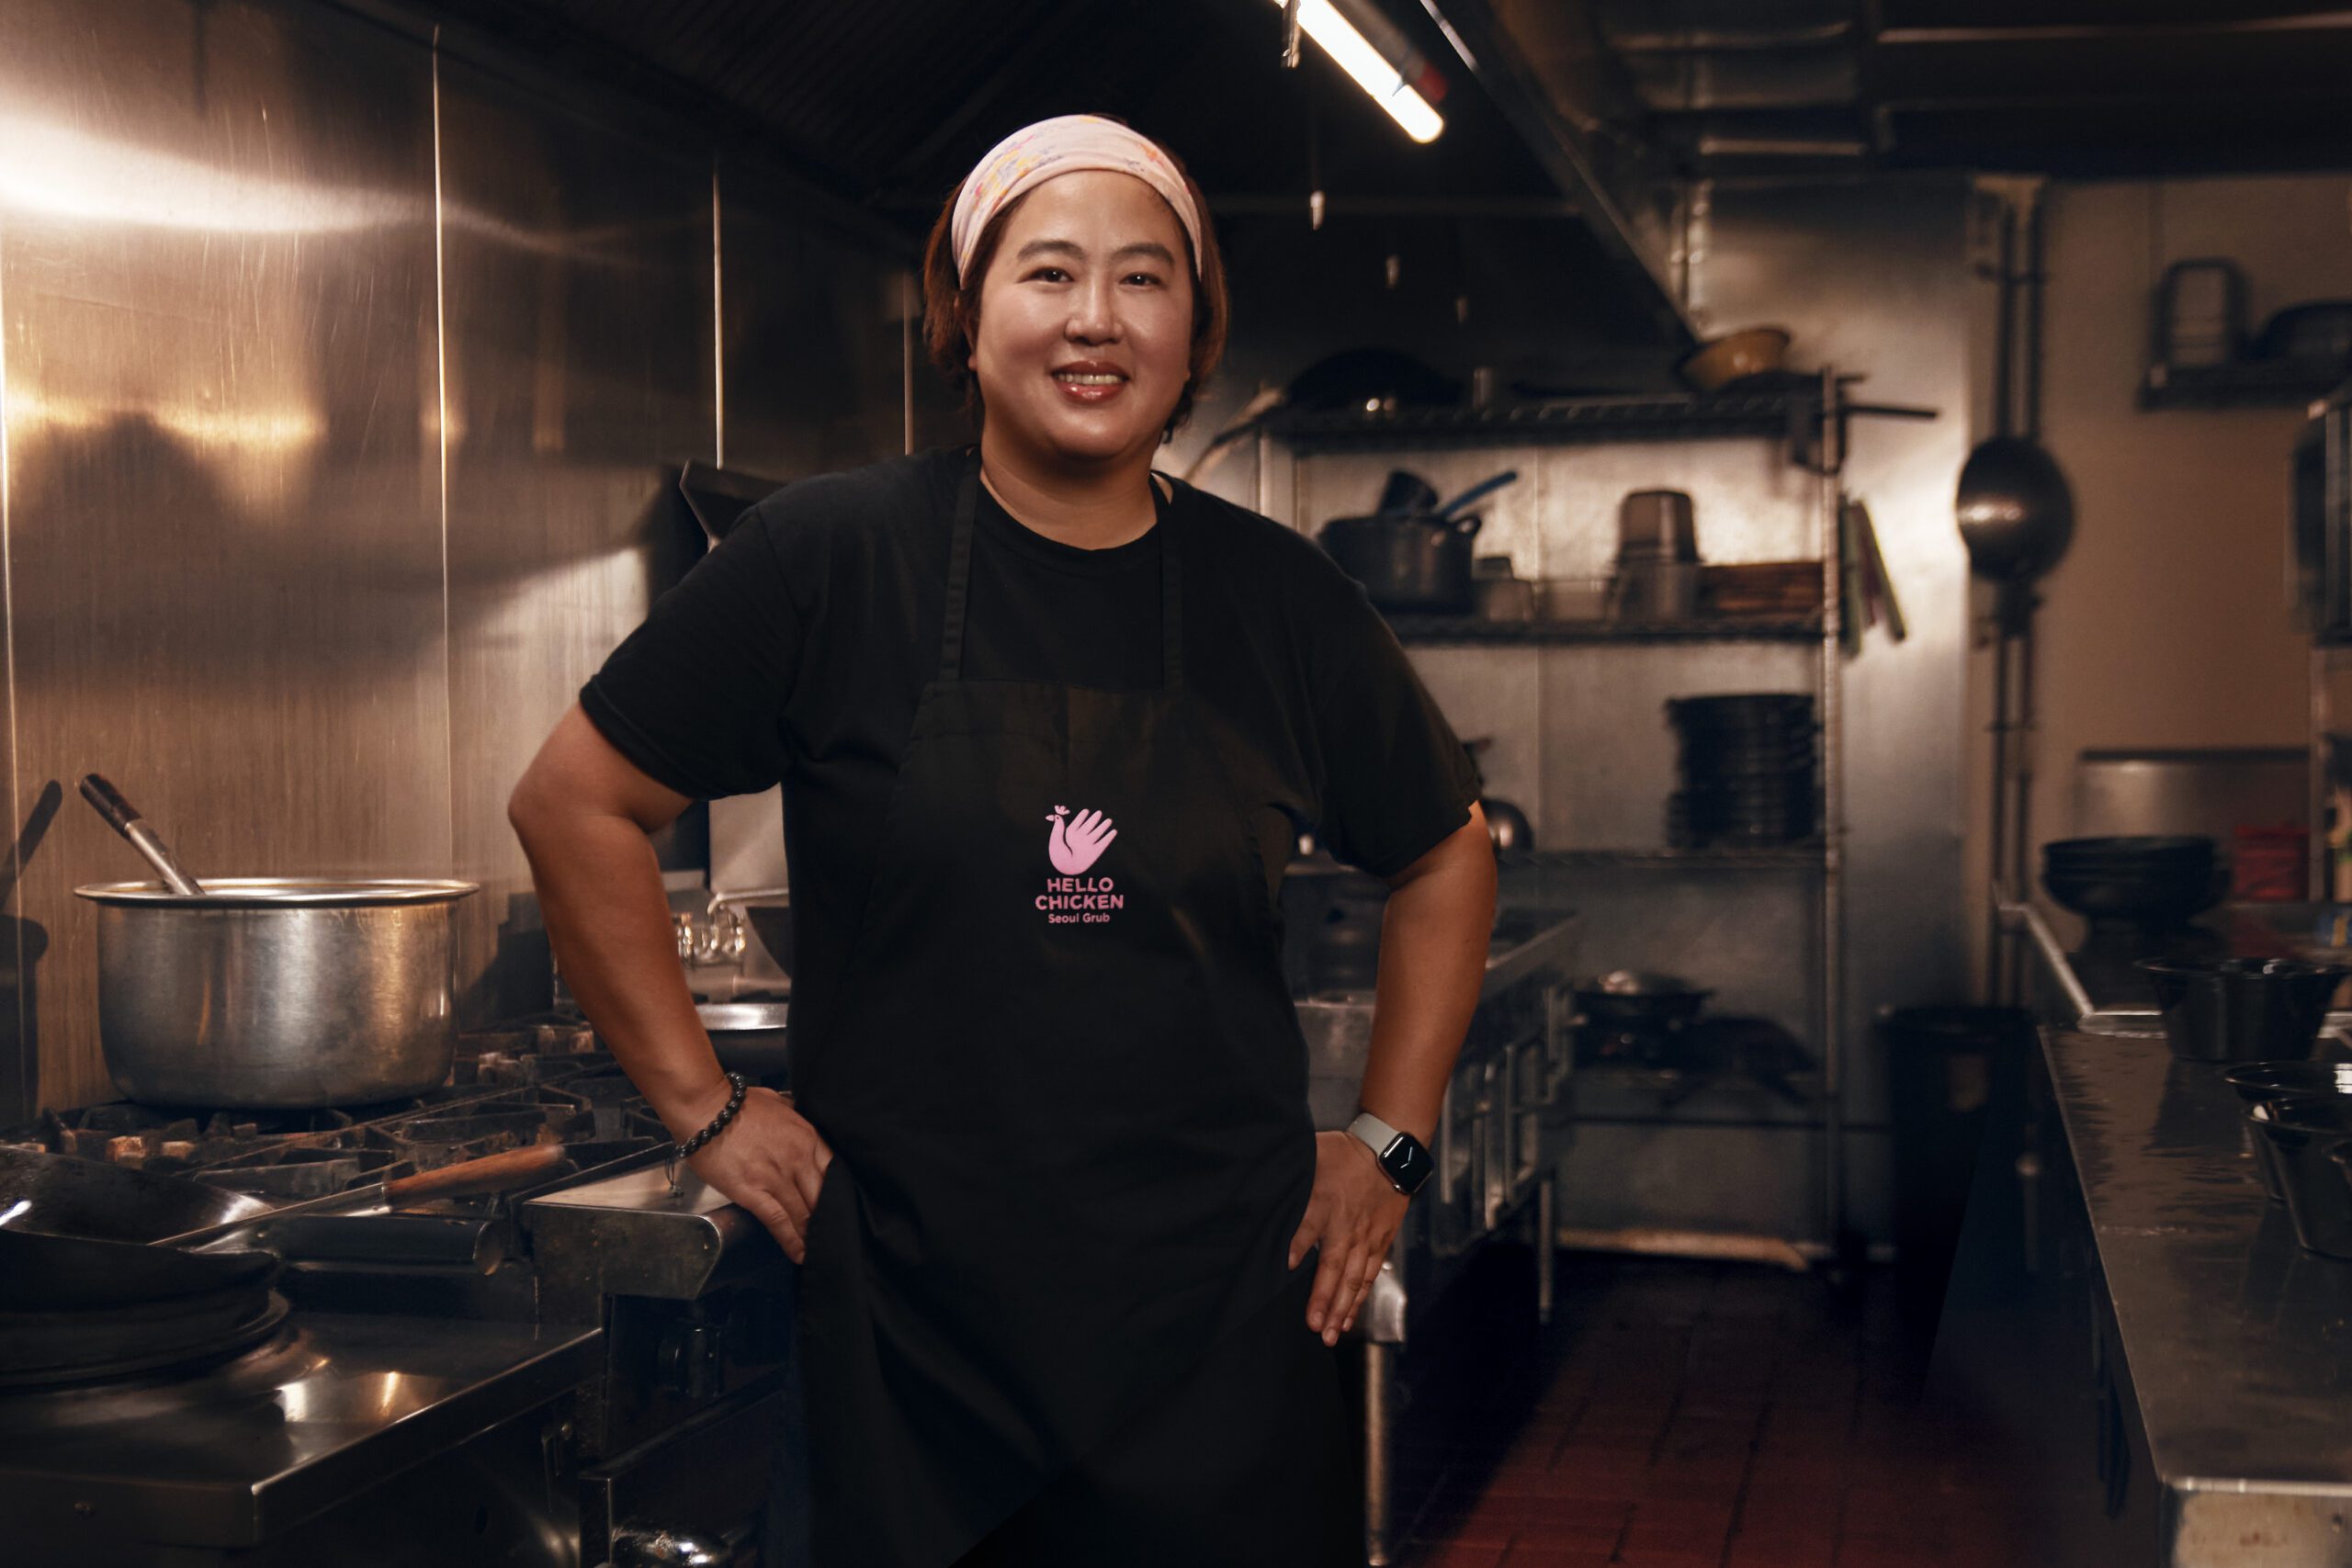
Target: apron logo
column 1074, row 845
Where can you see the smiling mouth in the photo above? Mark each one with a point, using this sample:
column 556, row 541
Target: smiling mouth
column 1089, row 378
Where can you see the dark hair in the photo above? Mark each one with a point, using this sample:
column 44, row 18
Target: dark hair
column 951, row 307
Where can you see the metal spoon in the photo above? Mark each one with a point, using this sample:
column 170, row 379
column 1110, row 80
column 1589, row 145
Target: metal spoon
column 125, row 819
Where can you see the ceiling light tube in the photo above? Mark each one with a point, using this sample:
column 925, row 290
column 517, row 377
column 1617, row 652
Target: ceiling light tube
column 1383, row 63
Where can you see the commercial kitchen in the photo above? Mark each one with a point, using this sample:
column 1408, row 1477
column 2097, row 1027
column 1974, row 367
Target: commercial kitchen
column 1869, row 486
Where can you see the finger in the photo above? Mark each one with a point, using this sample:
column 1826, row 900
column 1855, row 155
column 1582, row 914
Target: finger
column 808, row 1185
column 1327, row 1288
column 776, row 1219
column 1345, row 1294
column 1370, row 1277
column 1310, row 1232
column 1108, row 837
column 1085, row 823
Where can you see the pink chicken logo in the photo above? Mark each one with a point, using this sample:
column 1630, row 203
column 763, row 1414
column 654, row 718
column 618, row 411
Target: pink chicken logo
column 1077, row 844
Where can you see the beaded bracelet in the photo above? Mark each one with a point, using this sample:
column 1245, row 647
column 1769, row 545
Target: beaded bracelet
column 688, row 1148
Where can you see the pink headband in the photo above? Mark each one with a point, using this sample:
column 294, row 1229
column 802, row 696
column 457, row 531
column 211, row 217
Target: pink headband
column 1062, row 145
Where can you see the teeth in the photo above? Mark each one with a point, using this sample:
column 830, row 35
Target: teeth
column 1077, row 379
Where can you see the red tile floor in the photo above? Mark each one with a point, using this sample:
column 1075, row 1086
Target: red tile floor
column 1721, row 1415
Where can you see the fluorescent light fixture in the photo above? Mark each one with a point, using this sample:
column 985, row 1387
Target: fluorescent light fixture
column 1391, row 71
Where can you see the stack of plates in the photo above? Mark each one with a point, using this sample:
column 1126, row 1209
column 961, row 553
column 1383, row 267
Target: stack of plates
column 1747, row 769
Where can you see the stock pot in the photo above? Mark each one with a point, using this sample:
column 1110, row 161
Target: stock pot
column 284, row 993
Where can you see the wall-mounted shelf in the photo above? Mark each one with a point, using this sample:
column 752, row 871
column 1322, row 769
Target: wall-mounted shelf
column 2262, row 383
column 1654, row 417
column 1429, row 629
column 1790, row 414
column 1808, row 856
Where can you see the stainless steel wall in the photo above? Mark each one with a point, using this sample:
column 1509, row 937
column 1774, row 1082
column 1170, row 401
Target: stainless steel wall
column 336, row 385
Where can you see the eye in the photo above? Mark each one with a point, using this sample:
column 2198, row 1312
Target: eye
column 1049, row 274
column 1148, row 279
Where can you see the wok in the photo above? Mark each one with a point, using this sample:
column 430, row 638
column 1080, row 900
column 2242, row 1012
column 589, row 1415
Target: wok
column 64, row 1195
column 72, row 1273
column 74, row 1309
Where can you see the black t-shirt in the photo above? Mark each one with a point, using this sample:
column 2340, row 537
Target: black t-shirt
column 797, row 649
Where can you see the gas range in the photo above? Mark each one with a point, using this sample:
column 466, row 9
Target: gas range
column 539, row 1377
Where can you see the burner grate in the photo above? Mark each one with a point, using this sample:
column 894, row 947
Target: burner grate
column 543, row 1079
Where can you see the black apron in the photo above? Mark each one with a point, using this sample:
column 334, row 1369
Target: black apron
column 1066, row 1093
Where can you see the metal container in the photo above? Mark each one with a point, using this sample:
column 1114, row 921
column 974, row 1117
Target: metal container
column 2242, row 1010
column 1412, row 562
column 276, row 992
column 2304, row 1134
column 2273, row 1083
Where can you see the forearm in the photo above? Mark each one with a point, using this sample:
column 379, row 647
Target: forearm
column 609, row 918
column 1433, row 960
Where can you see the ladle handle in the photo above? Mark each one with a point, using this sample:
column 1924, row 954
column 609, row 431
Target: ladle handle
column 124, row 818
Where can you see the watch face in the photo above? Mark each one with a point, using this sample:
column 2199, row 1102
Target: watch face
column 1408, row 1164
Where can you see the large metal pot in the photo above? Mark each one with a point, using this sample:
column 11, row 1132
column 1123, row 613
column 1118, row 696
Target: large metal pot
column 282, row 993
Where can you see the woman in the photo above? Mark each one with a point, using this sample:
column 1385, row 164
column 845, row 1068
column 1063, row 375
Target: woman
column 1046, row 724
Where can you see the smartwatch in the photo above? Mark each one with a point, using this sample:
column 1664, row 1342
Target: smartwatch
column 1401, row 1156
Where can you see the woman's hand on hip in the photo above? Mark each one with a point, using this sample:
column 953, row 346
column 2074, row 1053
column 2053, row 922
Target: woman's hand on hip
column 771, row 1162
column 1353, row 1216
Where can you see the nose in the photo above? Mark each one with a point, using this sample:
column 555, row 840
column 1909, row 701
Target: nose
column 1093, row 311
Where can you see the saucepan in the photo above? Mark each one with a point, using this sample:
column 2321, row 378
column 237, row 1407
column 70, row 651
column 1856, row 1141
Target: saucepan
column 271, row 992
column 1413, row 553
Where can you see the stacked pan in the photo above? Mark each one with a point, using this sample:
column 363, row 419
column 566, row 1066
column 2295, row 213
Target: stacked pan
column 1747, row 768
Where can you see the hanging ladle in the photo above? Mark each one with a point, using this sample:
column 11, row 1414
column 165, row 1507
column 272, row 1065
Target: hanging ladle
column 124, row 818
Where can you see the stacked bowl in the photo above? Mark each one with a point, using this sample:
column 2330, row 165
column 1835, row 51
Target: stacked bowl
column 1747, row 772
column 2299, row 1124
column 2155, row 883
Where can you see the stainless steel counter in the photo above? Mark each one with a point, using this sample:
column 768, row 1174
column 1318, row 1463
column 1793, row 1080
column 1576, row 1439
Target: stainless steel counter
column 1526, row 945
column 242, row 1454
column 2236, row 1343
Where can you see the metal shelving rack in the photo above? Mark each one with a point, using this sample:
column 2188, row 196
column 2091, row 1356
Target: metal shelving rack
column 1811, row 420
column 1439, row 629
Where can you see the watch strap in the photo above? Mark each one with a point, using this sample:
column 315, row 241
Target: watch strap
column 1395, row 1150
column 1371, row 1131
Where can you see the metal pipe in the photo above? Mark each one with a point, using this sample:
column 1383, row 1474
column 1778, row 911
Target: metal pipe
column 1996, row 829
column 1379, row 1482
column 2024, row 916
column 2005, row 328
column 1730, row 41
column 1716, row 145
column 2021, row 759
column 2031, row 370
column 1833, row 896
column 1283, row 204
column 2324, row 21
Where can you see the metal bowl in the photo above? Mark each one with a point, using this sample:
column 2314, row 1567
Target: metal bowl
column 2304, row 1136
column 2270, row 1083
column 2242, row 1010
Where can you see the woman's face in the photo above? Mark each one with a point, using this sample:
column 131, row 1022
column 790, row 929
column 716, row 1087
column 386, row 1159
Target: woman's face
column 1086, row 321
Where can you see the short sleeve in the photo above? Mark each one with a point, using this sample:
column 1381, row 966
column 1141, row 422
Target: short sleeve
column 695, row 696
column 1396, row 781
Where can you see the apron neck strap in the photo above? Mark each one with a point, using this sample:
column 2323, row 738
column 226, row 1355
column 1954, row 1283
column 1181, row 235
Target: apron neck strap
column 959, row 585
